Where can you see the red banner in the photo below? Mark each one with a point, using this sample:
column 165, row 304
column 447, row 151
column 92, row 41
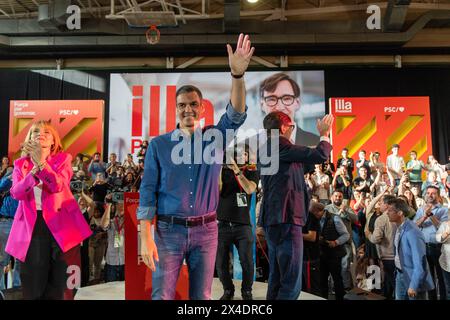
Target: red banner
column 78, row 122
column 138, row 277
column 375, row 124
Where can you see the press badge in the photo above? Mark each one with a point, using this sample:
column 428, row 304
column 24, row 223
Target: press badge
column 241, row 199
column 118, row 240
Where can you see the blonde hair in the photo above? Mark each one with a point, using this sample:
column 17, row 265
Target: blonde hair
column 57, row 146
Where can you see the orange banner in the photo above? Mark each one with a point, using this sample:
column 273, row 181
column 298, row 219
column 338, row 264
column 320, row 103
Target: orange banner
column 376, row 123
column 78, row 122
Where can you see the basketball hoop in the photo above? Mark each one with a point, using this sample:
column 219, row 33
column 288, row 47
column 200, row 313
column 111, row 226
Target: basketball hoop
column 153, row 35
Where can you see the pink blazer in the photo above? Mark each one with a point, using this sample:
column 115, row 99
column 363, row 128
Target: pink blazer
column 59, row 208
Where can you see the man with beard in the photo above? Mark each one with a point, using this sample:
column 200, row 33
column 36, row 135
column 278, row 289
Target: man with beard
column 348, row 217
column 428, row 218
column 413, row 277
column 184, row 194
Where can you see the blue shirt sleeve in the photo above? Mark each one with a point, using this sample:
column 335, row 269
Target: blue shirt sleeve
column 149, row 186
column 231, row 119
column 5, row 184
column 342, row 230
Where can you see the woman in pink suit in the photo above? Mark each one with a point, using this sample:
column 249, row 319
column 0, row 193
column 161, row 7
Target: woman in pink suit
column 48, row 226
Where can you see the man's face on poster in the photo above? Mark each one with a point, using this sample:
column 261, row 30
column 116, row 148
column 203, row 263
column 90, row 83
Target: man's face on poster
column 282, row 99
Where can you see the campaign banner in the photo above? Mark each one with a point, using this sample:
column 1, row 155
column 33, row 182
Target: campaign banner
column 377, row 123
column 78, row 122
column 143, row 105
column 138, row 277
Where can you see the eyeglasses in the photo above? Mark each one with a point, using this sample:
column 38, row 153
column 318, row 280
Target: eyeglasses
column 182, row 106
column 286, row 99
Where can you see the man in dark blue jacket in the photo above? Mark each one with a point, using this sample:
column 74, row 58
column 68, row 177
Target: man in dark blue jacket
column 7, row 212
column 285, row 203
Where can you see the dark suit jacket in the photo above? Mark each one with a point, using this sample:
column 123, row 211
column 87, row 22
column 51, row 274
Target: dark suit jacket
column 285, row 197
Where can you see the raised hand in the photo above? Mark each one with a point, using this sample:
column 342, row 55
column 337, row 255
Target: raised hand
column 324, row 125
column 239, row 59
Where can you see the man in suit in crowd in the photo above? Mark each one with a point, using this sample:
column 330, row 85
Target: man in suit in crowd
column 413, row 278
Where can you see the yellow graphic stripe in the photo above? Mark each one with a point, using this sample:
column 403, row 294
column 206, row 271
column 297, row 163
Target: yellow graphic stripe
column 343, row 122
column 76, row 132
column 402, row 131
column 362, row 136
column 20, row 124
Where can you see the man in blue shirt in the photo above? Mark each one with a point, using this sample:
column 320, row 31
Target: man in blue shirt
column 413, row 278
column 428, row 218
column 184, row 194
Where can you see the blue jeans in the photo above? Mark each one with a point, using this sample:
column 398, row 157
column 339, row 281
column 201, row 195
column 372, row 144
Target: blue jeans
column 401, row 289
column 285, row 243
column 5, row 228
column 345, row 265
column 175, row 243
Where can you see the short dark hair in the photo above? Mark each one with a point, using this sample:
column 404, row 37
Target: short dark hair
column 400, row 205
column 270, row 84
column 388, row 198
column 363, row 151
column 97, row 153
column 395, row 145
column 414, row 151
column 339, row 191
column 275, row 120
column 345, row 149
column 316, row 207
column 431, row 186
column 188, row 89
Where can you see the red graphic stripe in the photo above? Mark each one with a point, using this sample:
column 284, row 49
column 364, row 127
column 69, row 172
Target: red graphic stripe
column 155, row 93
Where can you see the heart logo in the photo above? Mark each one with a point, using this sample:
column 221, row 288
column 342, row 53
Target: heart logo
column 75, row 112
column 401, row 109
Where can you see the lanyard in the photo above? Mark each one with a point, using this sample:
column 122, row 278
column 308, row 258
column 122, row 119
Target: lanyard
column 119, row 228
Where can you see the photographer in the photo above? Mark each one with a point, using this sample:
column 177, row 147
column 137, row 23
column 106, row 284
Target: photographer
column 78, row 165
column 98, row 240
column 5, row 165
column 96, row 166
column 87, row 207
column 113, row 164
column 342, row 181
column 100, row 188
column 129, row 163
column 128, row 182
column 115, row 254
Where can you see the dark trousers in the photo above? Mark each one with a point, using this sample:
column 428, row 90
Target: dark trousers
column 433, row 254
column 389, row 279
column 331, row 265
column 241, row 236
column 311, row 277
column 285, row 243
column 45, row 273
column 114, row 273
column 84, row 251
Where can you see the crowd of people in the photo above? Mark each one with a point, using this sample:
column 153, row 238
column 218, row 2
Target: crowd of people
column 369, row 197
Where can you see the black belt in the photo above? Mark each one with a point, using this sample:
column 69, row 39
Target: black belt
column 433, row 245
column 188, row 222
column 6, row 218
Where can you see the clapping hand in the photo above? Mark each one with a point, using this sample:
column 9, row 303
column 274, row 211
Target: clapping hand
column 240, row 59
column 34, row 150
column 324, row 125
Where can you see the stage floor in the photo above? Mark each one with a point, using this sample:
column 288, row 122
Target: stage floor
column 116, row 291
